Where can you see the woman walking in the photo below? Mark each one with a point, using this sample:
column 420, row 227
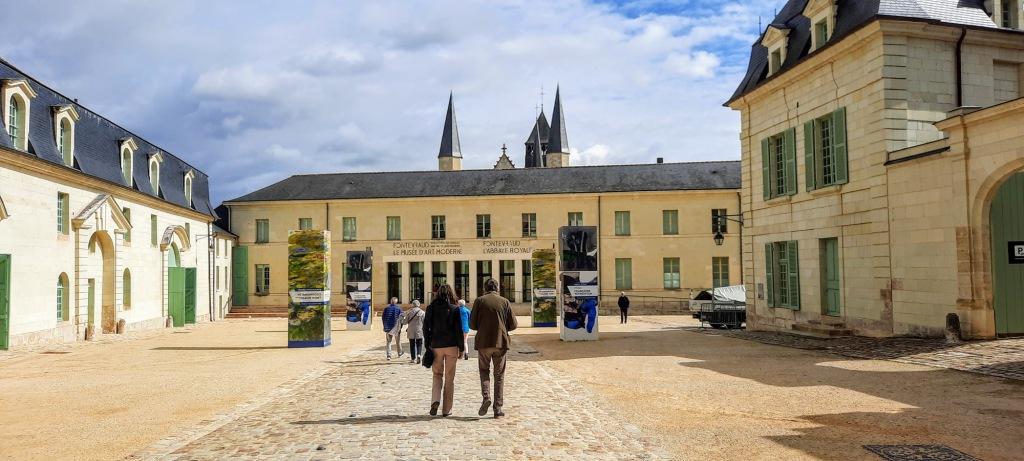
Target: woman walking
column 442, row 329
column 414, row 319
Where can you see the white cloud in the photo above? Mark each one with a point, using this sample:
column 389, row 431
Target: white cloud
column 698, row 64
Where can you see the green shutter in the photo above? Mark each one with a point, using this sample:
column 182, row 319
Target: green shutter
column 240, row 276
column 839, row 146
column 769, row 270
column 809, row 171
column 152, row 229
column 789, row 145
column 176, row 295
column 190, row 295
column 5, row 298
column 766, row 171
column 793, row 276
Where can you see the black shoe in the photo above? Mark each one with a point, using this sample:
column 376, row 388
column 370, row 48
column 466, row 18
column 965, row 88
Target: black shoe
column 499, row 414
column 446, row 415
column 417, row 360
column 433, row 408
column 486, row 405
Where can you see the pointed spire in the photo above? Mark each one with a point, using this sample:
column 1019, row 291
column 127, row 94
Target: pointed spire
column 450, row 136
column 558, row 142
column 537, row 156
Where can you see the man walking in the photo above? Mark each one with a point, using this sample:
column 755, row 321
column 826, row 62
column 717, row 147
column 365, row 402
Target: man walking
column 623, row 307
column 492, row 318
column 391, row 327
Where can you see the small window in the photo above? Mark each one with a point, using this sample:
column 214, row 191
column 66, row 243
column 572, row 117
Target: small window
column 15, row 122
column 529, row 225
column 670, row 222
column 483, row 226
column 126, row 166
column 188, row 230
column 820, row 33
column 348, row 229
column 262, row 231
column 776, row 62
column 718, row 221
column 622, row 223
column 216, row 274
column 127, row 289
column 671, row 273
column 623, row 274
column 825, row 150
column 305, row 223
column 63, row 296
column 154, row 176
column 127, row 212
column 65, row 142
column 394, row 227
column 437, row 227
column 778, row 159
column 188, row 190
column 720, row 272
column 63, row 214
column 262, row 279
column 575, row 218
column 153, row 237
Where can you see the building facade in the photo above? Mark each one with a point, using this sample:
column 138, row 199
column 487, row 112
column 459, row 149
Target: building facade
column 859, row 185
column 462, row 227
column 100, row 231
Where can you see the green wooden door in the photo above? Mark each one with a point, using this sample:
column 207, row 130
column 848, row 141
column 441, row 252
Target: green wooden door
column 91, row 302
column 176, row 295
column 240, row 276
column 190, row 295
column 5, row 300
column 1007, row 225
column 830, row 276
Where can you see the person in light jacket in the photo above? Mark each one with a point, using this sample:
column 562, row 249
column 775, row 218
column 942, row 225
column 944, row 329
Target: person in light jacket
column 413, row 318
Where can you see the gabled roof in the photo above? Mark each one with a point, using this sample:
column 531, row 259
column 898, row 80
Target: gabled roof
column 558, row 142
column 97, row 147
column 850, row 16
column 523, row 181
column 450, row 135
column 540, row 124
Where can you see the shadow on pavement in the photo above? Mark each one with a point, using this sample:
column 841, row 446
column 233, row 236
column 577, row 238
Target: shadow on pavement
column 386, row 419
column 215, row 348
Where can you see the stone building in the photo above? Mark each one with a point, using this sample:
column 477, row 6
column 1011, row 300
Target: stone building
column 462, row 226
column 100, row 230
column 871, row 181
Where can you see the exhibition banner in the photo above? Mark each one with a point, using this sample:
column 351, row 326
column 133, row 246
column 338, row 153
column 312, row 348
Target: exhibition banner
column 309, row 288
column 545, row 294
column 358, row 290
column 580, row 283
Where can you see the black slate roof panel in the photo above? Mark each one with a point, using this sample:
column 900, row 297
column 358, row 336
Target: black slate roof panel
column 97, row 147
column 527, row 181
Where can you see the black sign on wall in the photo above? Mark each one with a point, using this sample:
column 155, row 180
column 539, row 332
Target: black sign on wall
column 1016, row 251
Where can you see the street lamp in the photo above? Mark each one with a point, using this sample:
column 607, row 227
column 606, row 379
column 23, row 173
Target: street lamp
column 718, row 221
column 719, row 238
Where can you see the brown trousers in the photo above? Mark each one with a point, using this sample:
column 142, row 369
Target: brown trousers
column 485, row 357
column 445, row 359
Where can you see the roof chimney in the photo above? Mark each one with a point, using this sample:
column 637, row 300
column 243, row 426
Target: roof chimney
column 661, row 160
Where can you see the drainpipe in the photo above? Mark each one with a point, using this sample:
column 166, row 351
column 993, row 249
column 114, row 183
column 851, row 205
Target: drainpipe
column 211, row 241
column 959, row 68
column 739, row 202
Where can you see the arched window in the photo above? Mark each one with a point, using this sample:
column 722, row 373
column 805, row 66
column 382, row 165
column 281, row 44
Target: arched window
column 188, row 190
column 14, row 124
column 64, row 142
column 62, row 297
column 154, row 176
column 127, row 290
column 126, row 166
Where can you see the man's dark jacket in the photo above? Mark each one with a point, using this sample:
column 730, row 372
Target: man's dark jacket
column 623, row 302
column 492, row 318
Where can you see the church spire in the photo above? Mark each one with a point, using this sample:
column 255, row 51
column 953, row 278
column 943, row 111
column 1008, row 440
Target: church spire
column 558, row 142
column 449, row 158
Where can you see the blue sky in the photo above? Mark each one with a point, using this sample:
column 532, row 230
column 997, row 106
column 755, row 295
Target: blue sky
column 252, row 92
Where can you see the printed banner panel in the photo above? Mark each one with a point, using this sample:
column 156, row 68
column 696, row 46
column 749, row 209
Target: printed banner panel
column 580, row 283
column 545, row 294
column 358, row 290
column 309, row 288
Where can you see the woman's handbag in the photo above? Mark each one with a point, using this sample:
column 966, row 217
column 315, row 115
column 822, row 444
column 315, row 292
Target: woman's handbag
column 428, row 358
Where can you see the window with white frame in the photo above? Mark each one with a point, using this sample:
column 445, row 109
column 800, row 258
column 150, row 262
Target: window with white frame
column 17, row 99
column 1007, row 13
column 64, row 118
column 776, row 40
column 188, row 187
column 822, row 14
column 154, row 172
column 128, row 148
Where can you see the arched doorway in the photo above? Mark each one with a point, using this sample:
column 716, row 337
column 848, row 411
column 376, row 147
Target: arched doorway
column 181, row 281
column 101, row 251
column 1007, row 231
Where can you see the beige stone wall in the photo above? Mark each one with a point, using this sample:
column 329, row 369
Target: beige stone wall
column 222, row 274
column 646, row 246
column 29, row 188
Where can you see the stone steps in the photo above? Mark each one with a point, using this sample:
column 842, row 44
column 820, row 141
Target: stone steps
column 821, row 330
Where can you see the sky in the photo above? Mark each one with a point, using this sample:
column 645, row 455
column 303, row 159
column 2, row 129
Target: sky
column 252, row 92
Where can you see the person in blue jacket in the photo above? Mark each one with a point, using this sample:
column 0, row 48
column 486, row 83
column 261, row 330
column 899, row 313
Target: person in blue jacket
column 390, row 318
column 365, row 308
column 464, row 312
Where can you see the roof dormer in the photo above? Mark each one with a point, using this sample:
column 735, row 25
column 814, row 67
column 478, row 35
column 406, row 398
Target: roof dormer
column 126, row 151
column 64, row 118
column 776, row 39
column 189, row 177
column 822, row 14
column 1006, row 13
column 155, row 159
column 17, row 97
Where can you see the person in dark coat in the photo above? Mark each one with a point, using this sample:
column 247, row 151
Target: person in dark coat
column 442, row 331
column 623, row 308
column 492, row 318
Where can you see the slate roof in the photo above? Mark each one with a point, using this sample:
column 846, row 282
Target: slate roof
column 450, row 146
column 850, row 16
column 526, row 181
column 97, row 144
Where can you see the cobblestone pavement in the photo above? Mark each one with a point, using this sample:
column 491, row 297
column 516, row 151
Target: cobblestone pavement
column 1003, row 358
column 365, row 408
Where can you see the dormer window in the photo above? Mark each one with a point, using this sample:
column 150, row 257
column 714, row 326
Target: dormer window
column 64, row 118
column 128, row 147
column 822, row 14
column 17, row 96
column 1006, row 13
column 154, row 172
column 188, row 187
column 776, row 39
